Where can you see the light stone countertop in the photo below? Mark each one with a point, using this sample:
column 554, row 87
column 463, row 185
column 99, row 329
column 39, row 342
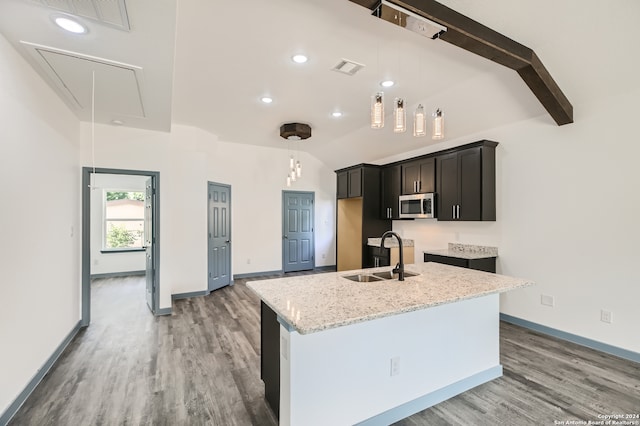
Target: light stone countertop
column 466, row 251
column 389, row 242
column 312, row 303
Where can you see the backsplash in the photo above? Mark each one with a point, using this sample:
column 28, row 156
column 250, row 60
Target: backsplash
column 469, row 248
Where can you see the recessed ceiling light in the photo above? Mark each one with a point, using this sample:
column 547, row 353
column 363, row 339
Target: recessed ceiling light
column 387, row 83
column 266, row 99
column 299, row 59
column 70, row 25
column 336, row 114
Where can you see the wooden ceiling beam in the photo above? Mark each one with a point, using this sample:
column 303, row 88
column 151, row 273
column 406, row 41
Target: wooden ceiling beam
column 474, row 37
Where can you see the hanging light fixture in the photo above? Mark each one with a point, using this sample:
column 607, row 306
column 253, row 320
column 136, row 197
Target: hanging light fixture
column 399, row 116
column 377, row 111
column 438, row 125
column 419, row 122
column 294, row 132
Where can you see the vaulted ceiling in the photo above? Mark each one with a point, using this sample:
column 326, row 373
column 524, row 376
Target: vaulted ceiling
column 207, row 64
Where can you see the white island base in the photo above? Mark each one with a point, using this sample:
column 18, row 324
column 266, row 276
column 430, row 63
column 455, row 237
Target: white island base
column 383, row 370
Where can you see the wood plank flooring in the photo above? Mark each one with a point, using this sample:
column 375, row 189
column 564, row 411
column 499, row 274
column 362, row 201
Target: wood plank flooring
column 201, row 366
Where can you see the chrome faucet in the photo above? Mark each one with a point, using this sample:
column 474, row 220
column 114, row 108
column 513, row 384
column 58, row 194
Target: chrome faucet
column 399, row 269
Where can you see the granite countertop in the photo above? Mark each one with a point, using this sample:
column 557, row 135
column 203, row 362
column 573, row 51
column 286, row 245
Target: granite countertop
column 312, row 303
column 466, row 251
column 389, row 242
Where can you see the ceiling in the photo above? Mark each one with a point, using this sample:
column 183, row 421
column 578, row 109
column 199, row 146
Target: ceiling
column 207, row 63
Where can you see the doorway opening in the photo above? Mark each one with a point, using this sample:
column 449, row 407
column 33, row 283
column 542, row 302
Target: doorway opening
column 128, row 227
column 298, row 238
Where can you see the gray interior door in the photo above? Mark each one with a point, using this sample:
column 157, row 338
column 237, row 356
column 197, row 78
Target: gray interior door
column 298, row 248
column 219, row 242
column 148, row 242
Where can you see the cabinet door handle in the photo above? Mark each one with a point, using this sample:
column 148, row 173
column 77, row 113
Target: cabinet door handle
column 458, row 211
column 390, row 212
column 419, row 186
column 453, row 211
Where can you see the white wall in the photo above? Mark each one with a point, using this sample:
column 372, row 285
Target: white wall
column 40, row 231
column 105, row 263
column 567, row 217
column 188, row 158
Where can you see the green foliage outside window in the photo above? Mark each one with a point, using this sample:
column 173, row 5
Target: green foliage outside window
column 119, row 236
column 121, row 195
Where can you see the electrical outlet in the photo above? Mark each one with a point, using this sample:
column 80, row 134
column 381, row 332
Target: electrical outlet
column 546, row 300
column 324, row 256
column 606, row 316
column 395, row 366
column 248, row 261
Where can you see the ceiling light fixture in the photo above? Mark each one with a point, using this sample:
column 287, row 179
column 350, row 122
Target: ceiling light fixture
column 419, row 122
column 399, row 116
column 266, row 99
column 438, row 125
column 387, row 83
column 336, row 114
column 377, row 111
column 299, row 59
column 294, row 132
column 70, row 25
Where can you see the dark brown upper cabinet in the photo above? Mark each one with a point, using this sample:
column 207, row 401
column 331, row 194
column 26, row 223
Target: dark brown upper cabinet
column 391, row 186
column 418, row 176
column 466, row 183
column 350, row 183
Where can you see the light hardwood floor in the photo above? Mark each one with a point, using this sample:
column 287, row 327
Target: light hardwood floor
column 201, row 366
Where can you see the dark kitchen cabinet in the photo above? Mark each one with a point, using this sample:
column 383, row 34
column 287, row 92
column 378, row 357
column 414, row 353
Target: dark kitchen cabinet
column 358, row 216
column 350, row 183
column 418, row 176
column 466, row 183
column 379, row 256
column 487, row 264
column 270, row 356
column 391, row 183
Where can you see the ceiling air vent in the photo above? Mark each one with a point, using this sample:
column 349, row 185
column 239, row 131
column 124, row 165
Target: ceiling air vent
column 348, row 67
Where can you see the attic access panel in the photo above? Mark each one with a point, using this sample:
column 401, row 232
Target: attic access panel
column 118, row 86
column 108, row 12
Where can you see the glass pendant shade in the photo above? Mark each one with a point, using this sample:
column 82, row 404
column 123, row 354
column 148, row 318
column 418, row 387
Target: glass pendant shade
column 377, row 111
column 419, row 122
column 298, row 169
column 291, row 162
column 399, row 116
column 288, row 181
column 293, row 175
column 438, row 125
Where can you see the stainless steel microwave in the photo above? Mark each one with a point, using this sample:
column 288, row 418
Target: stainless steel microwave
column 417, row 206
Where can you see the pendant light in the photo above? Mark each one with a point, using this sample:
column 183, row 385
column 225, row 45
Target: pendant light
column 294, row 132
column 399, row 116
column 377, row 111
column 419, row 122
column 438, row 125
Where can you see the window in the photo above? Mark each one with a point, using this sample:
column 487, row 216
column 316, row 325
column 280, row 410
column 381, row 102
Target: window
column 123, row 220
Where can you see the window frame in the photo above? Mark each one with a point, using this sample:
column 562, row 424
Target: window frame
column 106, row 250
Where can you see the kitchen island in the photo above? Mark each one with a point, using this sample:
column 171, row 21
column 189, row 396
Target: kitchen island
column 377, row 351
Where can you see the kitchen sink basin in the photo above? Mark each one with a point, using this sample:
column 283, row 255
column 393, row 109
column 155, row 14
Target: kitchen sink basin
column 388, row 275
column 363, row 278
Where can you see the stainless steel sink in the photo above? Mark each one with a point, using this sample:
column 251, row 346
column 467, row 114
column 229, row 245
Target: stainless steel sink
column 388, row 275
column 363, row 278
